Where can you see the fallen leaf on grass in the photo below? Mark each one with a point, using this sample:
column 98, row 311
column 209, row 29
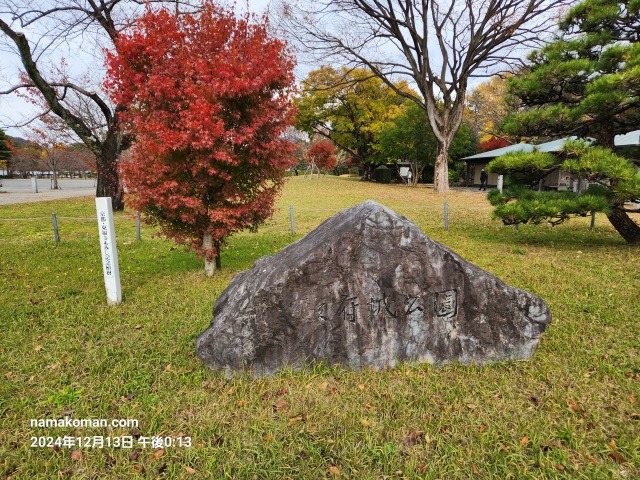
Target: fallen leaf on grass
column 190, row 470
column 617, row 457
column 552, row 444
column 282, row 391
column 158, row 454
column 573, row 405
column 280, row 405
column 471, row 406
column 361, row 386
column 333, row 470
column 413, row 438
column 76, row 455
column 133, row 456
column 167, row 368
column 365, row 422
column 138, row 326
column 37, row 348
column 297, row 419
column 138, row 468
column 162, row 468
column 524, row 441
column 241, row 403
column 560, row 467
column 482, row 427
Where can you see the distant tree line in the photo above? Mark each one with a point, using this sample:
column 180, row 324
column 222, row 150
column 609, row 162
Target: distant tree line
column 21, row 158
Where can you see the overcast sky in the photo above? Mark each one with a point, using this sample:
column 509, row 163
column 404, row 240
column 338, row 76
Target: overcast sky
column 14, row 110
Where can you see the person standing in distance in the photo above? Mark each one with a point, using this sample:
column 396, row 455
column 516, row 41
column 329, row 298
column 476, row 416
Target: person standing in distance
column 483, row 180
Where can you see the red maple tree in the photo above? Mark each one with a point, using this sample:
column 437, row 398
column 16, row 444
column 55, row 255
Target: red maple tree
column 493, row 144
column 208, row 98
column 323, row 154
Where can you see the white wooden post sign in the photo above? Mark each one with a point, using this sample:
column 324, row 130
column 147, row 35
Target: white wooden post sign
column 109, row 252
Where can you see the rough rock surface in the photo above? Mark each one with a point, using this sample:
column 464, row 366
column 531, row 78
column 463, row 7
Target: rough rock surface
column 368, row 288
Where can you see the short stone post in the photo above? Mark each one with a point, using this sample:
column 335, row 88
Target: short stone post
column 34, row 184
column 56, row 235
column 293, row 228
column 138, row 226
column 500, row 182
column 446, row 215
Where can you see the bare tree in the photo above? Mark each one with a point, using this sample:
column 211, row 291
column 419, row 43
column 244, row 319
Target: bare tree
column 37, row 31
column 439, row 45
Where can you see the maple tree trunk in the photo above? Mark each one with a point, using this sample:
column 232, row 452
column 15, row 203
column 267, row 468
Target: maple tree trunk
column 108, row 182
column 624, row 225
column 207, row 244
column 210, row 265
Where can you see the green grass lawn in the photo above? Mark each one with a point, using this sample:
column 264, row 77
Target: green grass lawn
column 571, row 412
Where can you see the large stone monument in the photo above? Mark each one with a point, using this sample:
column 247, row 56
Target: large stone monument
column 368, row 288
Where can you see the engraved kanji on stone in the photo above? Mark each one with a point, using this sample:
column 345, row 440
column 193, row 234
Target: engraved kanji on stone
column 374, row 305
column 347, row 308
column 385, row 301
column 412, row 305
column 446, row 303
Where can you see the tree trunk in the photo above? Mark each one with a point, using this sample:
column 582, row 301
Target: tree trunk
column 367, row 172
column 624, row 225
column 207, row 246
column 108, row 184
column 441, row 169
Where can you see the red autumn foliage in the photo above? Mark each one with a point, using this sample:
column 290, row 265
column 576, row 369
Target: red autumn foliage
column 493, row 143
column 323, row 154
column 208, row 98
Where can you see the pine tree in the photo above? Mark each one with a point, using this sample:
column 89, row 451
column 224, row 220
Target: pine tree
column 587, row 83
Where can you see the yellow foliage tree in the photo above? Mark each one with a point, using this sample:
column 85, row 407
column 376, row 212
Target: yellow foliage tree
column 486, row 106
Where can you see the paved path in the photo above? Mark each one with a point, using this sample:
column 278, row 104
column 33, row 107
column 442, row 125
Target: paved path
column 17, row 190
